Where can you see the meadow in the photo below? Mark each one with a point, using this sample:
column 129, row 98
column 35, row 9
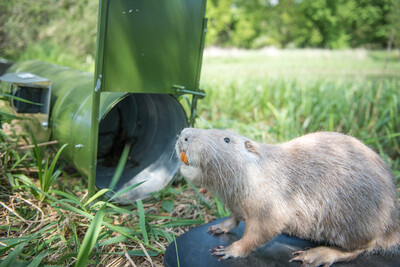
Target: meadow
column 274, row 95
column 269, row 95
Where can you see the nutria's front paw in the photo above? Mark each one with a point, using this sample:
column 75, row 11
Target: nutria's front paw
column 227, row 252
column 216, row 230
column 222, row 251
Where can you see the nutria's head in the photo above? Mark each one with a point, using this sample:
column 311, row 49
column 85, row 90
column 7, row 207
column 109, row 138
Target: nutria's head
column 214, row 157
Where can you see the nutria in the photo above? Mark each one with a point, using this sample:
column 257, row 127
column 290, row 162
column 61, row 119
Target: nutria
column 327, row 187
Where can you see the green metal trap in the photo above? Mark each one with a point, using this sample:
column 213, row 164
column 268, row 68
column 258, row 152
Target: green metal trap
column 148, row 55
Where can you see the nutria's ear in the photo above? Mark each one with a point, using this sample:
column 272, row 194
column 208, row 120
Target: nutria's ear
column 251, row 147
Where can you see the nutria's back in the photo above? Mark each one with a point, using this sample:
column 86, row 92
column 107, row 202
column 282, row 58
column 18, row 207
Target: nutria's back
column 341, row 186
column 324, row 186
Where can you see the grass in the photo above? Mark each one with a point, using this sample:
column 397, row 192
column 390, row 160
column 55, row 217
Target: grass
column 274, row 96
column 268, row 95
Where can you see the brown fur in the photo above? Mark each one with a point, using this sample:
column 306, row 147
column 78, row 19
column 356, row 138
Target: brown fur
column 327, row 187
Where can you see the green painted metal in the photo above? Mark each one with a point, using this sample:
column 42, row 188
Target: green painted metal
column 148, row 54
column 148, row 122
column 150, row 45
column 70, row 108
column 147, row 46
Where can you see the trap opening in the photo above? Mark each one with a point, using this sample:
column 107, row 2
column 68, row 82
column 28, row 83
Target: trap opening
column 150, row 124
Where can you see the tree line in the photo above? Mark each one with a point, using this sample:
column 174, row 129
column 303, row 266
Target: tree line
column 71, row 25
column 303, row 23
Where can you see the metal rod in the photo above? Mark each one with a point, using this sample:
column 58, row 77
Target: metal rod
column 184, row 91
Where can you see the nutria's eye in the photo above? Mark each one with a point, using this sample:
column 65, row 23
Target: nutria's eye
column 186, row 139
column 227, row 140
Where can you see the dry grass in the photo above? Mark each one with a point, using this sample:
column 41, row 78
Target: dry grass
column 25, row 215
column 56, row 232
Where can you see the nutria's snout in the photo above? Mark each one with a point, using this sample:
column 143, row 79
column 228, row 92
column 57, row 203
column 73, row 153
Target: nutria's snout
column 182, row 145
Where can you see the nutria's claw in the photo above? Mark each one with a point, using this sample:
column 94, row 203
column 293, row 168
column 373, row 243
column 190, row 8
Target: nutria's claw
column 224, row 257
column 297, row 253
column 298, row 256
column 220, row 251
column 217, row 249
column 215, row 231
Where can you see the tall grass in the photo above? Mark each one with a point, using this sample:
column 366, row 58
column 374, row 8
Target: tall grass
column 250, row 92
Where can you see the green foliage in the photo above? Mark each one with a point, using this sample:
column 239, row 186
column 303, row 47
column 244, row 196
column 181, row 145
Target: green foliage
column 64, row 32
column 303, row 23
column 49, row 175
column 57, row 31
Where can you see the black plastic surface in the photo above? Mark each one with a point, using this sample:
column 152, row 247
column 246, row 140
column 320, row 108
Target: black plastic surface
column 193, row 250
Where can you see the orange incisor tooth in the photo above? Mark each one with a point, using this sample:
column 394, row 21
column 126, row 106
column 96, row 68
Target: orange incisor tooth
column 184, row 158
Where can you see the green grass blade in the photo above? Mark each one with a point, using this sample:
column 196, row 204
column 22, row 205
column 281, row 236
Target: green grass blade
column 9, row 116
column 38, row 259
column 12, row 257
column 20, row 99
column 37, row 153
column 29, row 183
column 72, row 198
column 177, row 254
column 132, row 253
column 222, row 212
column 199, row 195
column 77, row 243
column 170, row 238
column 18, row 162
column 49, row 176
column 142, row 221
column 24, row 179
column 43, row 178
column 66, row 257
column 125, row 190
column 90, row 238
column 11, row 245
column 120, row 167
column 113, row 240
column 182, row 222
column 10, row 179
column 122, row 231
column 97, row 195
column 53, row 163
column 119, row 209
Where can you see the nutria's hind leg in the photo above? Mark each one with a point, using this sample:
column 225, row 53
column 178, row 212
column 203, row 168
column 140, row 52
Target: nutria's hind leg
column 324, row 256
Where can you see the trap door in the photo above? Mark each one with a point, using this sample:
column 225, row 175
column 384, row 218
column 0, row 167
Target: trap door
column 150, row 46
column 147, row 47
